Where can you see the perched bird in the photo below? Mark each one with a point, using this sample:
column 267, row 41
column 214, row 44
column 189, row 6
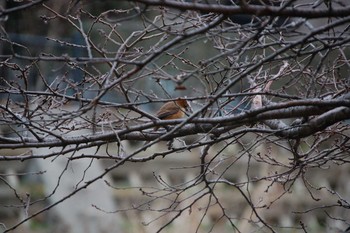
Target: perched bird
column 173, row 110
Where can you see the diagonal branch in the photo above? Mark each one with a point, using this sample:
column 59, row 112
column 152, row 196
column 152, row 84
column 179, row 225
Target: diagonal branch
column 316, row 124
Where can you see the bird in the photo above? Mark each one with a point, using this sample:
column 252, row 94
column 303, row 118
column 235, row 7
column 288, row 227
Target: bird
column 173, row 110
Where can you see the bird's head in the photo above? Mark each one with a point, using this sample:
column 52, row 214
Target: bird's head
column 183, row 104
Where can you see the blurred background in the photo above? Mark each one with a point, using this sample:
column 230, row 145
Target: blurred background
column 50, row 49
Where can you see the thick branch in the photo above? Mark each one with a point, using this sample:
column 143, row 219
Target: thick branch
column 327, row 113
column 317, row 124
column 252, row 9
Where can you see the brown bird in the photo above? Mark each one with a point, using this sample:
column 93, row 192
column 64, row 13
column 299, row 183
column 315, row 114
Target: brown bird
column 173, row 110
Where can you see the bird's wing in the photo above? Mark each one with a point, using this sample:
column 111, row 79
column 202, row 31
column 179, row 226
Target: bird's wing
column 168, row 110
column 166, row 114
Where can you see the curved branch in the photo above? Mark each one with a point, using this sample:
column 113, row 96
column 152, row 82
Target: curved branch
column 20, row 8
